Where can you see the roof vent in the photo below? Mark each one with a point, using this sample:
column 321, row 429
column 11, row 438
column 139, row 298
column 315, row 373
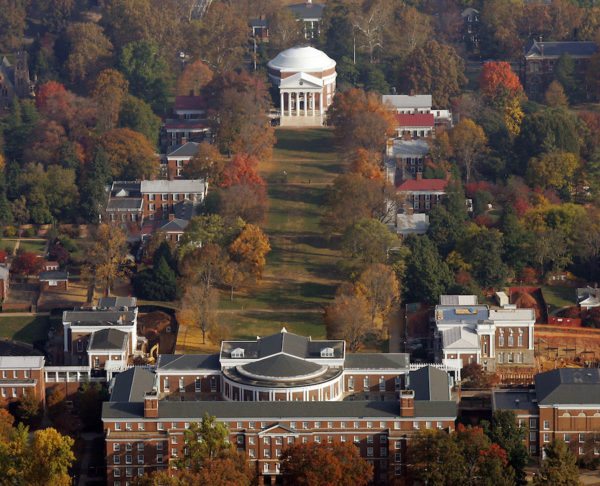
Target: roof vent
column 327, row 353
column 283, row 329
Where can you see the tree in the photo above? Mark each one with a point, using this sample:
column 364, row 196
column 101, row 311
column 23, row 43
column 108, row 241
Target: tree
column 437, row 69
column 51, row 456
column 94, row 180
column 220, row 38
column 483, row 249
column 198, row 308
column 89, row 402
column 89, row 51
column 284, row 30
column 195, row 76
column 498, row 83
column 592, row 76
column 435, row 458
column 209, row 228
column 29, row 407
column 242, row 169
column 250, row 249
column 468, row 144
column 27, row 263
column 565, row 74
column 499, row 21
column 109, row 91
column 367, row 164
column 138, row 115
column 559, row 467
column 381, row 288
column 555, row 96
column 368, row 241
column 347, row 318
column 107, row 258
column 147, row 72
column 427, row 275
column 207, row 164
column 505, row 432
column 360, row 120
column 243, row 201
column 307, row 464
column 13, row 15
column 160, row 283
column 553, row 170
column 370, row 23
column 130, row 154
column 54, row 14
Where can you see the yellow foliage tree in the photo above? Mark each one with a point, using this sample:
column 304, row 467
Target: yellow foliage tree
column 554, row 170
column 250, row 249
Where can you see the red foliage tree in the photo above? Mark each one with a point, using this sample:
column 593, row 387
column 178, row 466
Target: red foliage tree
column 27, row 263
column 241, row 170
column 48, row 90
column 3, row 256
column 498, row 81
column 307, row 464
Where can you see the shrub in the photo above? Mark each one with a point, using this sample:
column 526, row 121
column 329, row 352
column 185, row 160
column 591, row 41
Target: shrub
column 10, row 231
column 29, row 232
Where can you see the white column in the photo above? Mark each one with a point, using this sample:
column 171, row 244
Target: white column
column 66, row 338
column 297, row 98
column 306, row 103
column 281, row 96
column 321, row 103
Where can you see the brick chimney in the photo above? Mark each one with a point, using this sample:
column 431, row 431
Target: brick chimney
column 171, row 216
column 151, row 404
column 419, row 175
column 407, row 403
column 184, row 140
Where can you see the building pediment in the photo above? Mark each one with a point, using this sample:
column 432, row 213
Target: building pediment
column 277, row 429
column 301, row 81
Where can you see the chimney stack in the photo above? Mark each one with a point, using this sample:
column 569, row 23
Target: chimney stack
column 407, row 403
column 151, row 404
column 171, row 216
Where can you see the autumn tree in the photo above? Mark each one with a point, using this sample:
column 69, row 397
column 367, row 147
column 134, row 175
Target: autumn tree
column 559, row 466
column 360, row 120
column 347, row 318
column 284, row 29
column 209, row 229
column 437, row 69
column 500, row 25
column 366, row 163
column 13, row 14
column 246, row 201
column 553, row 170
column 250, row 249
column 90, row 50
column 207, row 164
column 555, row 96
column 498, row 82
column 137, row 115
column 307, row 464
column 195, row 76
column 242, row 169
column 469, row 143
column 368, row 241
column 130, row 154
column 109, row 91
column 107, row 257
column 27, row 263
column 199, row 309
column 380, row 286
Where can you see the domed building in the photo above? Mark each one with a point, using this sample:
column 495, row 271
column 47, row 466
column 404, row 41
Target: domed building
column 305, row 77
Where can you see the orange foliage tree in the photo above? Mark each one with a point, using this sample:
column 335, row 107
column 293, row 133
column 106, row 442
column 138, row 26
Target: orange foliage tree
column 367, row 163
column 48, row 90
column 241, row 170
column 307, row 464
column 194, row 77
column 130, row 154
column 498, row 82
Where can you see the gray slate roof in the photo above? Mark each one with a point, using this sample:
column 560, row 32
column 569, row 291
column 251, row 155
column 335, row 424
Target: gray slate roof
column 188, row 149
column 108, row 339
column 53, row 275
column 374, row 361
column 429, row 383
column 99, row 317
column 557, row 49
column 187, row 362
column 117, row 302
column 124, row 203
column 568, row 386
column 132, row 385
column 519, row 399
column 307, row 10
column 277, row 410
column 14, row 348
column 283, row 342
column 281, row 366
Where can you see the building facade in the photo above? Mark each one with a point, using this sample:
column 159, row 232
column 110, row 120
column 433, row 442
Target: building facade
column 21, row 372
column 422, row 195
column 305, row 78
column 271, row 393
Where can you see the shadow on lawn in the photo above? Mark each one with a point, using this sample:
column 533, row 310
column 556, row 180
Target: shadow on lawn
column 315, row 140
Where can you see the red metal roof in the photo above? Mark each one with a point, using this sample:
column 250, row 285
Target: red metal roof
column 415, row 120
column 423, row 185
column 190, row 103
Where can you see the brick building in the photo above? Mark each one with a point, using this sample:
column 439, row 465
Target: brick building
column 422, row 195
column 293, row 390
column 176, row 160
column 54, row 281
column 475, row 333
column 564, row 404
column 21, row 372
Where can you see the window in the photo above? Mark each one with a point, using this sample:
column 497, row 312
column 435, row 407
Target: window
column 159, row 426
column 278, row 440
column 240, row 440
column 369, row 425
column 581, row 438
column 327, row 353
column 159, row 446
column 304, row 440
column 356, row 439
column 151, row 207
column 267, row 453
column 317, row 439
column 116, row 447
column 342, row 425
column 117, row 473
column 292, row 425
column 305, row 425
column 267, row 441
column 397, row 383
column 383, row 439
column 546, row 424
column 342, row 438
column 26, row 374
column 79, row 350
column 510, row 357
column 140, row 458
column 546, row 437
column 213, row 380
column 351, row 383
column 369, row 452
column 533, row 423
column 532, row 436
column 369, row 439
column 174, row 452
column 356, row 425
column 501, row 339
column 398, row 457
column 128, row 427
column 128, row 459
column 117, row 426
column 330, row 425
column 317, row 425
column 251, row 453
column 174, row 439
column 237, row 353
column 198, row 388
column 151, row 197
column 520, row 340
column 250, row 425
column 511, row 340
column 427, row 425
column 381, row 384
column 128, row 447
column 266, row 467
column 164, row 197
column 166, row 384
column 128, row 472
column 140, row 446
column 263, row 425
column 416, row 425
column 383, row 451
column 117, row 459
column 329, row 439
column 290, row 440
column 567, row 438
column 366, row 383
column 140, row 471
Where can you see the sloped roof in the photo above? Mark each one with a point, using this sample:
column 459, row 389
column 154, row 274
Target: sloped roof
column 54, row 275
column 429, row 383
column 307, row 10
column 108, row 339
column 408, row 102
column 174, row 226
column 175, row 186
column 424, row 185
column 188, row 149
column 568, row 386
column 425, row 120
column 117, row 303
column 190, row 103
column 16, row 348
column 556, row 49
column 281, row 366
column 188, row 362
column 177, row 123
column 132, row 385
column 374, row 361
column 459, row 338
column 410, row 148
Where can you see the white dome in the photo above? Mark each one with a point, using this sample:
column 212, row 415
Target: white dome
column 298, row 59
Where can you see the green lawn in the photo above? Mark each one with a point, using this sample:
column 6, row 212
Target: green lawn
column 35, row 246
column 27, row 329
column 300, row 277
column 558, row 297
column 7, row 245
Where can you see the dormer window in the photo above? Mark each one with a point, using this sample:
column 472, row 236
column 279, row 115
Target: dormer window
column 327, row 353
column 237, row 353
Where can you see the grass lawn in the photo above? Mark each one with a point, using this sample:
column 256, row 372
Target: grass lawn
column 300, row 278
column 27, row 329
column 35, row 246
column 8, row 245
column 557, row 297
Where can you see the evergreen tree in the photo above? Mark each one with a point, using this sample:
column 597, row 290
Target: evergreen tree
column 160, row 283
column 559, row 468
column 93, row 193
column 6, row 216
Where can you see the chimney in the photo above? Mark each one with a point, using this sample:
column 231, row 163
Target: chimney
column 183, row 140
column 419, row 175
column 171, row 216
column 407, row 403
column 151, row 404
